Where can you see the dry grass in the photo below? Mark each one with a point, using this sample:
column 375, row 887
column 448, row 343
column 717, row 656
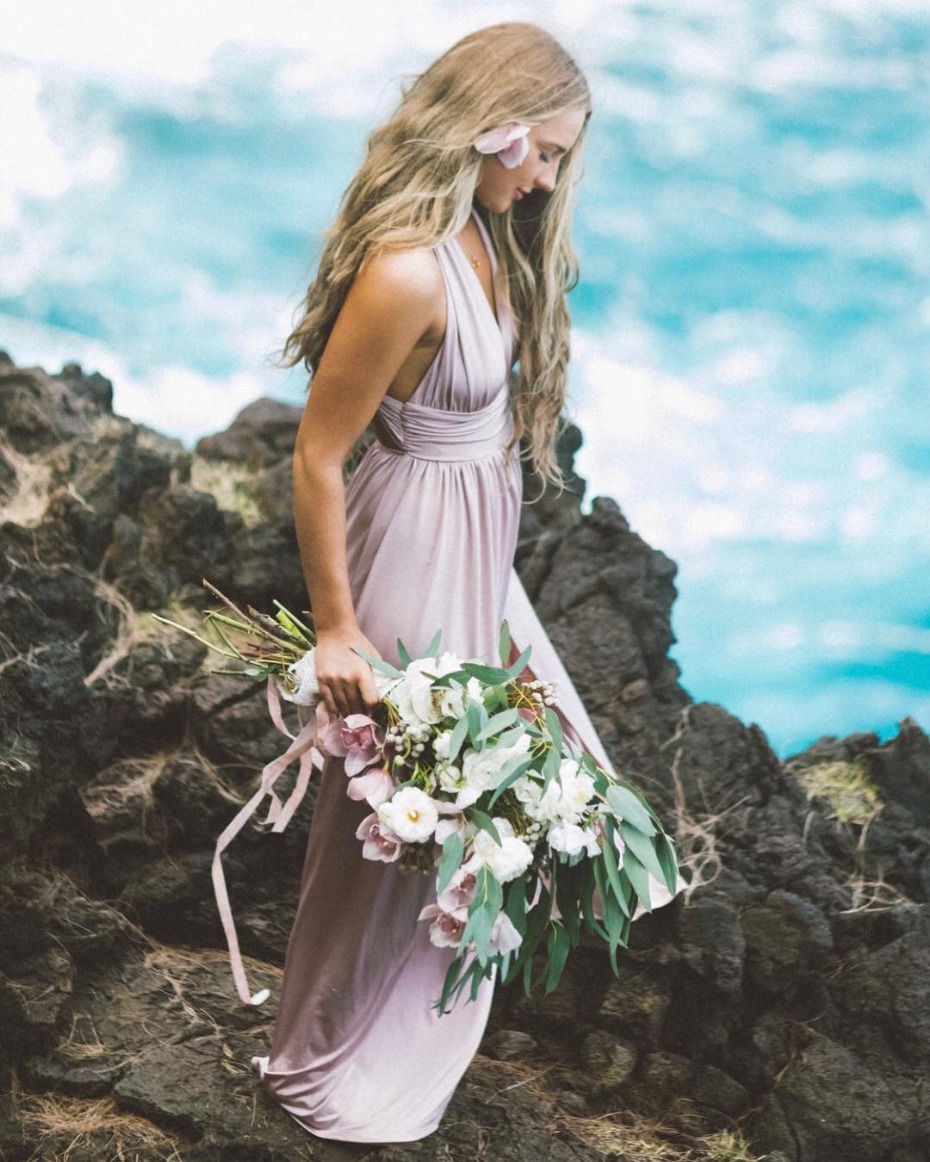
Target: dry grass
column 846, row 786
column 874, row 895
column 26, row 507
column 695, row 836
column 82, row 1129
column 633, row 1138
column 229, row 484
column 137, row 777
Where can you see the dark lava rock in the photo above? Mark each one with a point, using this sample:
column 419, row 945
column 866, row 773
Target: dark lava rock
column 786, row 991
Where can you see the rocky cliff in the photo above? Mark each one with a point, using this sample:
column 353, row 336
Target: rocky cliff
column 781, row 1009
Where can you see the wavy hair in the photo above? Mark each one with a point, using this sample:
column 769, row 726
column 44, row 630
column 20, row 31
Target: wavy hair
column 415, row 190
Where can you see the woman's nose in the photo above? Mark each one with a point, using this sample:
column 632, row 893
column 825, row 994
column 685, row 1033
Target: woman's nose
column 545, row 180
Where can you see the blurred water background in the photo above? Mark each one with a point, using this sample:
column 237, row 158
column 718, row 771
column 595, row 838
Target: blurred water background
column 752, row 329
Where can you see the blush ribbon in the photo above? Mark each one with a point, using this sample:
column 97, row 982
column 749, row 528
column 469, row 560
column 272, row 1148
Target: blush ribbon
column 304, row 751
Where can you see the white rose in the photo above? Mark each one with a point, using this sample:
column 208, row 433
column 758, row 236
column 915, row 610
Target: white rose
column 572, row 839
column 565, row 799
column 529, row 792
column 506, row 860
column 450, row 777
column 577, row 789
column 481, row 769
column 414, row 695
column 411, row 814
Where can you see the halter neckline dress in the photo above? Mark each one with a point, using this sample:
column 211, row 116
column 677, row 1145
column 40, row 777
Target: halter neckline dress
column 359, row 1053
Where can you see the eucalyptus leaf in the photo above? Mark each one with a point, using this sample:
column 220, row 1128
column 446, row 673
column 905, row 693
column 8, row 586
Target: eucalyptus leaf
column 638, row 876
column 504, row 644
column 510, row 737
column 628, row 805
column 515, row 904
column 512, row 770
column 551, row 765
column 379, row 664
column 643, row 849
column 485, row 822
column 594, row 924
column 498, row 723
column 555, row 728
column 516, row 668
column 452, row 852
column 478, row 931
column 477, row 718
column 669, row 862
column 490, row 675
column 608, row 858
column 459, row 734
column 557, row 947
column 432, row 650
column 403, row 654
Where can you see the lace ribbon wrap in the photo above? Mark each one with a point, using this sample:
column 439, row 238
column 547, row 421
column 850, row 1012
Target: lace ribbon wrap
column 307, row 690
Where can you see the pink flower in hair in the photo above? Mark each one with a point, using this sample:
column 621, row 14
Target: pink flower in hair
column 509, row 143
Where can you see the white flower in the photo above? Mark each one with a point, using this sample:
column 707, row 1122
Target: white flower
column 450, row 777
column 481, row 769
column 441, row 744
column 411, row 814
column 506, row 860
column 572, row 839
column 577, row 786
column 453, row 701
column 504, row 936
column 413, row 695
column 416, row 700
column 565, row 799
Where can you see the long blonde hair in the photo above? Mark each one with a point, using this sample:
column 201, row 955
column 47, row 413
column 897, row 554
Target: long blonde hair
column 415, row 190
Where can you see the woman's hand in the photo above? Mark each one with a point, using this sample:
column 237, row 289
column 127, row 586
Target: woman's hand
column 346, row 681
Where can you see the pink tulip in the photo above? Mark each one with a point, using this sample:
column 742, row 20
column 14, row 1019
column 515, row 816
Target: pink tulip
column 356, row 738
column 379, row 842
column 375, row 786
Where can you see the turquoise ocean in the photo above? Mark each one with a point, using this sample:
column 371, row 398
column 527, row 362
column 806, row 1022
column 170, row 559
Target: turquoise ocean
column 751, row 357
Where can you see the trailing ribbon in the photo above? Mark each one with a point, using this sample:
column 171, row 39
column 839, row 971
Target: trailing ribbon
column 303, row 749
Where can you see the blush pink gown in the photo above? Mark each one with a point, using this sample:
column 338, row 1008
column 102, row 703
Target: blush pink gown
column 359, row 1053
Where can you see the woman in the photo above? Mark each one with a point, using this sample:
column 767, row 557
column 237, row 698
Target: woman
column 448, row 263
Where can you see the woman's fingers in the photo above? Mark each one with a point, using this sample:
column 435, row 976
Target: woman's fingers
column 346, row 681
column 353, row 695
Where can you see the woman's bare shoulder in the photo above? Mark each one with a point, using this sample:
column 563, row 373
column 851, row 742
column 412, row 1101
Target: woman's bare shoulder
column 411, row 277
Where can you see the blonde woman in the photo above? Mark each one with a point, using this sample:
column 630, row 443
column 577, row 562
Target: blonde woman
column 447, row 266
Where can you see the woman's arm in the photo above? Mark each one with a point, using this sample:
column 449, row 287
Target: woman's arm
column 396, row 301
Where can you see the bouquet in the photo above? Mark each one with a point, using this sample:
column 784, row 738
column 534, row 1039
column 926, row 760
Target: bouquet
column 472, row 778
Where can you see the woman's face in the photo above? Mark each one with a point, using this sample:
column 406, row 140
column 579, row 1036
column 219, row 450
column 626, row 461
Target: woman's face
column 498, row 187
